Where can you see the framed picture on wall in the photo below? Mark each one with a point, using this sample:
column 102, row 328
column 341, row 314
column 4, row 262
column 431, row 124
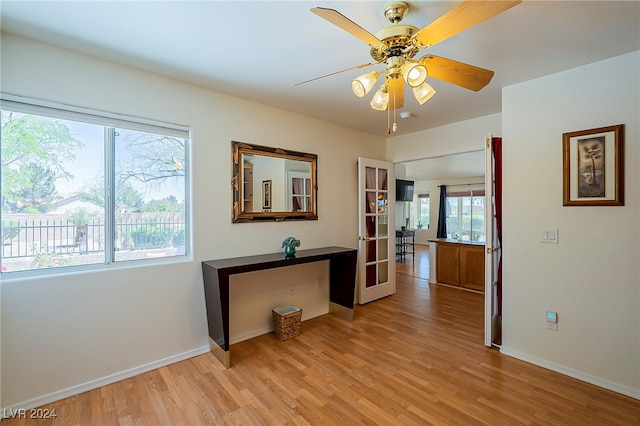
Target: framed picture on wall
column 266, row 195
column 593, row 167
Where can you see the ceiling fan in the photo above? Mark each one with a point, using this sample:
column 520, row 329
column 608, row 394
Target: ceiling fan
column 397, row 44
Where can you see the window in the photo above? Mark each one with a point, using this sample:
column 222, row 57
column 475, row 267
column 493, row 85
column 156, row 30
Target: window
column 82, row 189
column 300, row 189
column 423, row 211
column 419, row 208
column 465, row 215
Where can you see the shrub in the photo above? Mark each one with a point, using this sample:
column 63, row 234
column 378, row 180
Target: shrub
column 10, row 229
column 178, row 238
column 151, row 237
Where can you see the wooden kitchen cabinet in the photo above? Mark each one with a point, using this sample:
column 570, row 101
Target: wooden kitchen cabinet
column 472, row 267
column 448, row 264
column 460, row 263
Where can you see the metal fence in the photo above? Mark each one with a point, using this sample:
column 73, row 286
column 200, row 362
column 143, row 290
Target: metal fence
column 30, row 237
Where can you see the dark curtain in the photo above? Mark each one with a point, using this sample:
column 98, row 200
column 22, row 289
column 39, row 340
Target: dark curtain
column 496, row 145
column 442, row 213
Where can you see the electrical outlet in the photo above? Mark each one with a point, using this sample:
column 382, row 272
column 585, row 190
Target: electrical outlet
column 552, row 320
column 292, row 290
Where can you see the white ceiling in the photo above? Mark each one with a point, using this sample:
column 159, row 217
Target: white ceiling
column 257, row 50
column 457, row 166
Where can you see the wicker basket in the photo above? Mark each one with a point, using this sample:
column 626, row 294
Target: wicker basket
column 286, row 321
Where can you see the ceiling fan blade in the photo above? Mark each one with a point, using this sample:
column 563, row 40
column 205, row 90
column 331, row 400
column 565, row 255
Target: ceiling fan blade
column 337, row 18
column 337, row 72
column 458, row 73
column 464, row 16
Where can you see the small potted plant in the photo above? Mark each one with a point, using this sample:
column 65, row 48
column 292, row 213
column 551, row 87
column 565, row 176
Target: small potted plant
column 289, row 245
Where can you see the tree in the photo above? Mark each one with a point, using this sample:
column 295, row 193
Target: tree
column 36, row 189
column 126, row 196
column 32, row 145
column 168, row 204
column 150, row 158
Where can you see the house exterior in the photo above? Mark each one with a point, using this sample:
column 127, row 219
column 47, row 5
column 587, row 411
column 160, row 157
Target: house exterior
column 103, row 326
column 73, row 204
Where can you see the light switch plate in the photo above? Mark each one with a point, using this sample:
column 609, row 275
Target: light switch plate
column 549, row 235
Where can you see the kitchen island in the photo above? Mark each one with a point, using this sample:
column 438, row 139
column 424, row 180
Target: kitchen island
column 457, row 263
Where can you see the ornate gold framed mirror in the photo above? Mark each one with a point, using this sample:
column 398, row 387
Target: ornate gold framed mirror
column 272, row 184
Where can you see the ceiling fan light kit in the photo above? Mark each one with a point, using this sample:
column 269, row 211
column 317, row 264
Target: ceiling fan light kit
column 363, row 84
column 414, row 73
column 423, row 93
column 397, row 44
column 380, row 100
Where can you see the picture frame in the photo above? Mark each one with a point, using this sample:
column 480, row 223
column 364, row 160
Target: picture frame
column 266, row 195
column 593, row 167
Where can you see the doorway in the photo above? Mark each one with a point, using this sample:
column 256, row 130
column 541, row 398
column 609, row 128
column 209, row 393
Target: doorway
column 428, row 174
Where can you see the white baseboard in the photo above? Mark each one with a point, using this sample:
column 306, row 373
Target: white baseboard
column 103, row 381
column 606, row 384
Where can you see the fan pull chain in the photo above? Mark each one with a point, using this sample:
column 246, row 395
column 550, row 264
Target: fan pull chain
column 395, row 124
column 388, row 120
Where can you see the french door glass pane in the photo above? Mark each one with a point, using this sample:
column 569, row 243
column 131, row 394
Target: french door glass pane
column 371, row 226
column 371, row 275
column 371, row 202
column 370, row 178
column 383, row 226
column 383, row 245
column 383, row 271
column 383, row 203
column 382, row 179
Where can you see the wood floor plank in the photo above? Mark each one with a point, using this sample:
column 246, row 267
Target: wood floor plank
column 414, row 358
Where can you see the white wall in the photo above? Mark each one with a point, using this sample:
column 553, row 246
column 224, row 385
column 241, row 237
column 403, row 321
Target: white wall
column 592, row 277
column 65, row 334
column 1, row 405
column 456, row 138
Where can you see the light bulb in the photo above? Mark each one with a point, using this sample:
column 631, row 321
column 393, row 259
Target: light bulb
column 414, row 73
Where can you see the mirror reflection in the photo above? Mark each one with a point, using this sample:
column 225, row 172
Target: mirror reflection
column 272, row 184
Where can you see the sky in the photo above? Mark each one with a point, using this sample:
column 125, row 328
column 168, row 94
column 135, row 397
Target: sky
column 87, row 168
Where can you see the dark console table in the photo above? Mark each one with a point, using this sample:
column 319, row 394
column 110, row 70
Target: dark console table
column 216, row 273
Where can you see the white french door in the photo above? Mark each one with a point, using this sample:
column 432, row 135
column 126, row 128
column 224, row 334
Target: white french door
column 493, row 249
column 376, row 204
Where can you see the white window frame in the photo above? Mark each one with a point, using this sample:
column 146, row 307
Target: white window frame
column 469, row 193
column 108, row 120
column 417, row 208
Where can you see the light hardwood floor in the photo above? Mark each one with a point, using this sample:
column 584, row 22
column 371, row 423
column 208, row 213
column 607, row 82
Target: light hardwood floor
column 414, row 358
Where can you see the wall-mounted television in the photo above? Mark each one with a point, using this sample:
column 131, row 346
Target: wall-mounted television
column 404, row 190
